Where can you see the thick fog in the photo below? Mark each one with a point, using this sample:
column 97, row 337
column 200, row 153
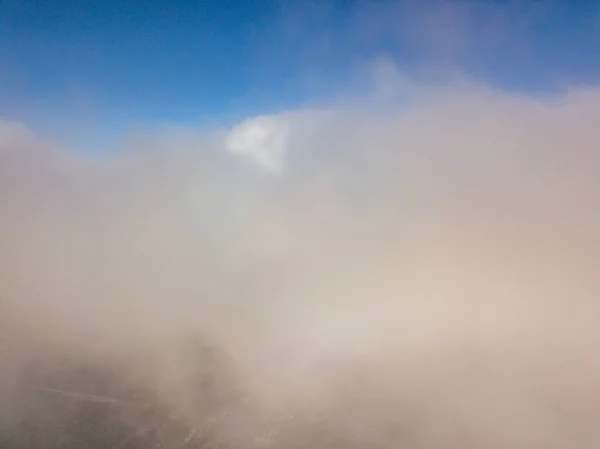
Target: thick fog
column 423, row 275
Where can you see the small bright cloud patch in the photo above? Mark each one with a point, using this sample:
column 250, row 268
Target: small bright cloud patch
column 264, row 139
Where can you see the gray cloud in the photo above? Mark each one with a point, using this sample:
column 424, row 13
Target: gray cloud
column 422, row 276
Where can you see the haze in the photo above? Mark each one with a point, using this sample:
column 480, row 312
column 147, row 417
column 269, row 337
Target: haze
column 410, row 265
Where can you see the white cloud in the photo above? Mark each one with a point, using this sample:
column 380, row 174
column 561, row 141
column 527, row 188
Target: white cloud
column 265, row 139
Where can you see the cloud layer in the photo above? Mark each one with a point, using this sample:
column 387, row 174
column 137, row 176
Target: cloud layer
column 423, row 276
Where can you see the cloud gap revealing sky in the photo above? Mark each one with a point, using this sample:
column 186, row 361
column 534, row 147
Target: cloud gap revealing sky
column 91, row 74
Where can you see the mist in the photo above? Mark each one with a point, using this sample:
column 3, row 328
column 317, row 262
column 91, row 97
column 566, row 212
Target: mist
column 420, row 275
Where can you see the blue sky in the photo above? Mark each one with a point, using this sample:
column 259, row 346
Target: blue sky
column 97, row 68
